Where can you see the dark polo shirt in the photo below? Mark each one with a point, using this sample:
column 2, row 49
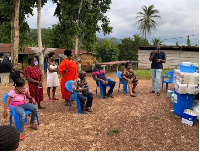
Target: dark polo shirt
column 155, row 64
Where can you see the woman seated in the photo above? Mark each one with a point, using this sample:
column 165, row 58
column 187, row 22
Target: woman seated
column 130, row 78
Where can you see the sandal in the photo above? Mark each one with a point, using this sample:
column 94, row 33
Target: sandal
column 21, row 137
column 132, row 95
column 55, row 99
column 34, row 126
column 50, row 100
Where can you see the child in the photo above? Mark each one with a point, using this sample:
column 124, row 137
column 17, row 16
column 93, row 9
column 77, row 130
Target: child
column 9, row 138
column 16, row 98
column 81, row 87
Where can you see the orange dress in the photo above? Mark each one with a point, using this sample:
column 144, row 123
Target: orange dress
column 72, row 74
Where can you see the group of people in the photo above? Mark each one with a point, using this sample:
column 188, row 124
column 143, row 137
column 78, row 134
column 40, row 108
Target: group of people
column 68, row 70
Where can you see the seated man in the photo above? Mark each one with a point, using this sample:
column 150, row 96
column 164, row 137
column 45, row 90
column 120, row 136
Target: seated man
column 99, row 75
column 81, row 87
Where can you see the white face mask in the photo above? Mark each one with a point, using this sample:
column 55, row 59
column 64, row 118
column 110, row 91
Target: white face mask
column 36, row 62
column 9, row 58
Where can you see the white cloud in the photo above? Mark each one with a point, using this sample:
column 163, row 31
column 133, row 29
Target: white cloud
column 179, row 18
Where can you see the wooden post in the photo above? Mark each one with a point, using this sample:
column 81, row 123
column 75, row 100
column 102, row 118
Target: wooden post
column 117, row 67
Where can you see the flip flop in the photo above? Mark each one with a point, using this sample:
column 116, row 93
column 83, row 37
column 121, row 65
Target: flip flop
column 132, row 95
column 55, row 98
column 50, row 100
column 35, row 127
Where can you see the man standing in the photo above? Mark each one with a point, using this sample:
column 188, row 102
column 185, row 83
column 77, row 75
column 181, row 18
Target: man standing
column 6, row 70
column 157, row 57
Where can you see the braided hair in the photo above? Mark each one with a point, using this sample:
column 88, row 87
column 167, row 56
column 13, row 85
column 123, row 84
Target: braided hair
column 9, row 138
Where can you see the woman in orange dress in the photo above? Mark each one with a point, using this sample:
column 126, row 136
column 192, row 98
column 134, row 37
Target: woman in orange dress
column 69, row 71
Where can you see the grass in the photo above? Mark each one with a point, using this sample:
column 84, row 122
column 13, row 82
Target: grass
column 112, row 132
column 146, row 74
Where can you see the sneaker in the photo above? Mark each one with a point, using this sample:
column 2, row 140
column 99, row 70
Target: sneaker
column 88, row 109
column 152, row 91
column 110, row 95
column 83, row 112
column 21, row 136
column 105, row 97
column 158, row 93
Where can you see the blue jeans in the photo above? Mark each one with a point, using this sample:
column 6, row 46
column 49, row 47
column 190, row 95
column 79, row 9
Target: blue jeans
column 110, row 91
column 156, row 74
column 20, row 110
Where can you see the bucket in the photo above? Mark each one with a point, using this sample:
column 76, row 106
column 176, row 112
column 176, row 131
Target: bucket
column 182, row 102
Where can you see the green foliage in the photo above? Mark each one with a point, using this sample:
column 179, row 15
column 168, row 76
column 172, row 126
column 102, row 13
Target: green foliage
column 6, row 6
column 156, row 41
column 177, row 43
column 113, row 132
column 146, row 21
column 107, row 51
column 188, row 41
column 129, row 47
column 85, row 24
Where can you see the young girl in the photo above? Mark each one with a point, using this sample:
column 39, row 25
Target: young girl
column 16, row 98
column 52, row 76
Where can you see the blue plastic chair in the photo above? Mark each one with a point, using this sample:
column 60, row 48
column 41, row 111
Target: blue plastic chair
column 16, row 116
column 170, row 80
column 100, row 87
column 118, row 74
column 73, row 96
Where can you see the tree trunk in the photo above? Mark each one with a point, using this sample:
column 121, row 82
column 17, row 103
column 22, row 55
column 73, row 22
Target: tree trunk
column 76, row 37
column 77, row 21
column 40, row 52
column 76, row 45
column 15, row 32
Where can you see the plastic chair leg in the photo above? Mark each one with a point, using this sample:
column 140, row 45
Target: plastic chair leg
column 125, row 88
column 16, row 118
column 119, row 87
column 96, row 91
column 78, row 104
column 10, row 120
column 166, row 86
column 101, row 92
column 25, row 119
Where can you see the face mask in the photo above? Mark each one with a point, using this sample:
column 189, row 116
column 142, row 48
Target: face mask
column 98, row 66
column 9, row 58
column 157, row 48
column 36, row 62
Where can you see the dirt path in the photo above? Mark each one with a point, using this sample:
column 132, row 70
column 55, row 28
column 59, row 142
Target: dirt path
column 143, row 123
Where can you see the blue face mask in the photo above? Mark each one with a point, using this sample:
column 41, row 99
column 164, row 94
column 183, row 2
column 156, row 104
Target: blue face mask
column 157, row 48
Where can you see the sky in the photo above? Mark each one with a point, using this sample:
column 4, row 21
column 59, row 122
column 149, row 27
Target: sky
column 179, row 18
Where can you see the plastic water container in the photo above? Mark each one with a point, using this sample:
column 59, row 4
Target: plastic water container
column 187, row 64
column 188, row 69
column 182, row 102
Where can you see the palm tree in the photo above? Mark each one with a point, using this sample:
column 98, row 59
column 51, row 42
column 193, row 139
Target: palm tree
column 146, row 20
column 156, row 41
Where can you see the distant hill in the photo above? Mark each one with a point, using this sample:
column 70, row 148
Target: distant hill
column 115, row 40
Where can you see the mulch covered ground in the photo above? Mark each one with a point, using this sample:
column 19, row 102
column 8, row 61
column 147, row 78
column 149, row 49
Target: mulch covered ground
column 121, row 123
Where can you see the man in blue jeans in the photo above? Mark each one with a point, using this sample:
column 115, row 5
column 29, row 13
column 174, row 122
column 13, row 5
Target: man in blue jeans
column 157, row 57
column 99, row 75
